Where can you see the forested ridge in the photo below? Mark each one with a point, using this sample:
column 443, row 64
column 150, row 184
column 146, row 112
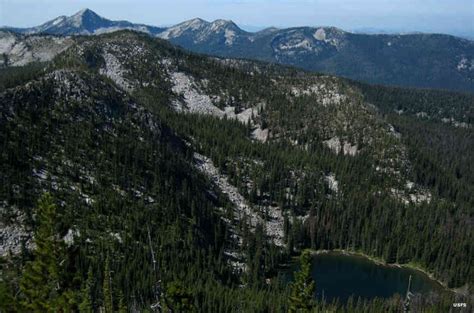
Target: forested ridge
column 410, row 60
column 125, row 221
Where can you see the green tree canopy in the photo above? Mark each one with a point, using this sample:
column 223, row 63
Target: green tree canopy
column 42, row 282
column 303, row 288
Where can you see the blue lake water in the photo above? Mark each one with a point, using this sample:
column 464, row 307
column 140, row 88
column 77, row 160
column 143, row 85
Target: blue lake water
column 340, row 275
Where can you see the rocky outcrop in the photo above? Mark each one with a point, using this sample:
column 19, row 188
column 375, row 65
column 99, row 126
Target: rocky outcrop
column 273, row 224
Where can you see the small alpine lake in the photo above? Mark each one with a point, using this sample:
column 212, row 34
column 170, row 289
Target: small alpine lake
column 339, row 275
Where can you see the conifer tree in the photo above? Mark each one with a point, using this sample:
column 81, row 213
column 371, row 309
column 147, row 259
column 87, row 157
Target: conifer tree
column 122, row 306
column 179, row 298
column 41, row 283
column 107, row 288
column 86, row 294
column 303, row 288
column 7, row 302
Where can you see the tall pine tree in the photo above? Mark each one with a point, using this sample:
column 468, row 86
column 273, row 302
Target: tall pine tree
column 303, row 288
column 86, row 305
column 42, row 284
column 107, row 288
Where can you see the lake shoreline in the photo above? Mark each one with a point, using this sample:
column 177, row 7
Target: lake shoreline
column 380, row 262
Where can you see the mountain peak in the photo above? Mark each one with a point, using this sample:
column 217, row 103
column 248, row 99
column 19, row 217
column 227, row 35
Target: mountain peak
column 198, row 20
column 194, row 23
column 221, row 24
column 87, row 19
column 85, row 12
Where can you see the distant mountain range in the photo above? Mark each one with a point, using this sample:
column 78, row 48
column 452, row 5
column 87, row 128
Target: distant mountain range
column 466, row 33
column 414, row 60
column 84, row 22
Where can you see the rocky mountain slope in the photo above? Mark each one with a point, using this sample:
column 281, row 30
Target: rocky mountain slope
column 18, row 50
column 412, row 60
column 220, row 169
column 84, row 22
column 416, row 60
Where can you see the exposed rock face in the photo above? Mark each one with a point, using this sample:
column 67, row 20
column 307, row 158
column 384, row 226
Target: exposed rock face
column 320, row 34
column 12, row 237
column 192, row 99
column 411, row 195
column 260, row 134
column 333, row 184
column 335, row 145
column 18, row 50
column 201, row 32
column 113, row 70
column 70, row 236
column 465, row 64
column 229, row 37
column 327, row 94
column 13, row 233
column 273, row 225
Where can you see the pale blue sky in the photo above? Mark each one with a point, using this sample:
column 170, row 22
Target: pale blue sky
column 448, row 16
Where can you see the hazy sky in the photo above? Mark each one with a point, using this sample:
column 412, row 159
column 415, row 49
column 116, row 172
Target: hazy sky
column 403, row 15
